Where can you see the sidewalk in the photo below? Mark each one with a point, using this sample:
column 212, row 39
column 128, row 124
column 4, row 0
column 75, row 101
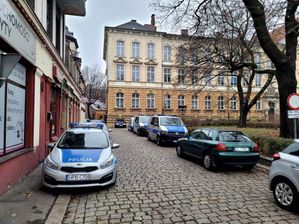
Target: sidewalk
column 27, row 202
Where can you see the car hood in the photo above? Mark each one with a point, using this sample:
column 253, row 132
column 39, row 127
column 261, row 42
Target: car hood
column 71, row 156
column 174, row 128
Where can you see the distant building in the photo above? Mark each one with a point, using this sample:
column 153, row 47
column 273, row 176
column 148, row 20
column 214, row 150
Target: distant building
column 147, row 75
column 40, row 94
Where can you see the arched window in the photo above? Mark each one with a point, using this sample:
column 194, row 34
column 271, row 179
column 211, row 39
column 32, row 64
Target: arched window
column 167, row 101
column 135, row 100
column 208, row 102
column 181, row 100
column 150, row 101
column 220, row 103
column 194, row 102
column 233, row 103
column 119, row 100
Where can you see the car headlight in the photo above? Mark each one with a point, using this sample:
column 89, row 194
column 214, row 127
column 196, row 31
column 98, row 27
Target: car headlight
column 108, row 162
column 50, row 164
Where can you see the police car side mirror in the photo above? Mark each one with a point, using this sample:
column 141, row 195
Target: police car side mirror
column 115, row 146
column 51, row 145
column 109, row 130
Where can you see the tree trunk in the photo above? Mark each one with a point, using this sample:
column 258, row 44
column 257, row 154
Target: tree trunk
column 243, row 117
column 285, row 88
column 88, row 110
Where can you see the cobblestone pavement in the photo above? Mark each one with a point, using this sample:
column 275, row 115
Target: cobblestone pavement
column 156, row 186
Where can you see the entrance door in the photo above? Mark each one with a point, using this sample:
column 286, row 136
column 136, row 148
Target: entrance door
column 271, row 112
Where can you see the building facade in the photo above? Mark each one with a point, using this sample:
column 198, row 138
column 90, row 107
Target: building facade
column 145, row 76
column 40, row 85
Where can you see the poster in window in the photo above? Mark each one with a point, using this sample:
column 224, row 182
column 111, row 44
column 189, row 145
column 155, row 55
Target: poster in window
column 18, row 74
column 2, row 91
column 15, row 117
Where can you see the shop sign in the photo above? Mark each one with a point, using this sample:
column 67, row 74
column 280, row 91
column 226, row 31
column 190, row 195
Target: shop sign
column 15, row 30
column 18, row 75
column 15, row 117
column 2, row 93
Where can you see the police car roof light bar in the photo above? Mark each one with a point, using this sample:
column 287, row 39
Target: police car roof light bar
column 86, row 125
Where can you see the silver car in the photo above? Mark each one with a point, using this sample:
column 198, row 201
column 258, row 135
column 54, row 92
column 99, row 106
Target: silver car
column 82, row 157
column 284, row 177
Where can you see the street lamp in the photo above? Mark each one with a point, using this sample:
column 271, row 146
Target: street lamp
column 7, row 63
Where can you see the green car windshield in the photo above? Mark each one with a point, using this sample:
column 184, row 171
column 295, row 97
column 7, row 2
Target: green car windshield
column 87, row 140
column 232, row 136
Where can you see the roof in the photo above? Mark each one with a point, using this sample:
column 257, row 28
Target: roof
column 97, row 105
column 133, row 25
column 80, row 130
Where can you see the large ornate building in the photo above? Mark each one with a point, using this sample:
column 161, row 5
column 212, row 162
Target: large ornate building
column 146, row 76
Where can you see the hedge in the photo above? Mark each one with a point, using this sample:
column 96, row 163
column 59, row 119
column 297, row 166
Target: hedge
column 268, row 139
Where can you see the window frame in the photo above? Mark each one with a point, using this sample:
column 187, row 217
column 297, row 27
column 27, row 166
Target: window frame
column 119, row 100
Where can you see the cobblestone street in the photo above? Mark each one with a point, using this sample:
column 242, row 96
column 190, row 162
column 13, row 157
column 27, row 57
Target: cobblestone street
column 156, row 186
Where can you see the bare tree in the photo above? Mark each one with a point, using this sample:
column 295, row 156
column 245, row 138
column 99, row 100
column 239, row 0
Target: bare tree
column 95, row 85
column 230, row 45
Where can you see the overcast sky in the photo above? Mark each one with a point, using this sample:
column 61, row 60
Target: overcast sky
column 89, row 30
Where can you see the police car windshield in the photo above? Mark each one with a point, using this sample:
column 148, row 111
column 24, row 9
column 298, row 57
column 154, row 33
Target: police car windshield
column 170, row 121
column 144, row 119
column 86, row 140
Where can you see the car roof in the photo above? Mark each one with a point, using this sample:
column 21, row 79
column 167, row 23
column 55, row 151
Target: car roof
column 80, row 130
column 217, row 129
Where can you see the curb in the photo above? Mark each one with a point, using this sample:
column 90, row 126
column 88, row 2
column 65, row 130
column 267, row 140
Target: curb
column 262, row 168
column 58, row 210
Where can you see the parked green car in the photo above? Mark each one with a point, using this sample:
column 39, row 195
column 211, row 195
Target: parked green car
column 219, row 147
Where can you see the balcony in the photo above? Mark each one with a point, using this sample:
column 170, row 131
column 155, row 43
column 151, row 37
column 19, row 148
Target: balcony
column 72, row 7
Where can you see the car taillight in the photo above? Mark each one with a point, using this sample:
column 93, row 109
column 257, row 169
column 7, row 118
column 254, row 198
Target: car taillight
column 221, row 147
column 256, row 148
column 276, row 156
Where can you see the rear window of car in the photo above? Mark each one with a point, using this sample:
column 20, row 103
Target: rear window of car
column 86, row 140
column 170, row 121
column 232, row 136
column 292, row 149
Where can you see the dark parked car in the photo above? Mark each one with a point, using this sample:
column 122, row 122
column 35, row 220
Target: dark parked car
column 120, row 123
column 219, row 147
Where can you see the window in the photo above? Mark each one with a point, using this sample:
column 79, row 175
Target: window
column 150, row 101
column 221, row 80
column 292, row 149
column 258, row 79
column 119, row 100
column 233, row 103
column 135, row 73
column 120, row 48
column 31, row 4
column 135, row 100
column 181, row 55
column 181, row 100
column 150, row 51
column 258, row 105
column 135, row 49
column 120, row 72
column 257, row 60
column 220, row 103
column 167, row 75
column 208, row 102
column 194, row 78
column 150, row 74
column 195, row 55
column 208, row 78
column 167, row 101
column 194, row 102
column 58, row 29
column 167, row 53
column 12, row 116
column 181, row 76
column 50, row 19
column 233, row 79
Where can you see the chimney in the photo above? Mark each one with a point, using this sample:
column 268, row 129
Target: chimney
column 184, row 32
column 153, row 20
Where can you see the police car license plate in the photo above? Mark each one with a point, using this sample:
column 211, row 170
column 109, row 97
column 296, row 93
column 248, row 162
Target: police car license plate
column 77, row 177
column 241, row 149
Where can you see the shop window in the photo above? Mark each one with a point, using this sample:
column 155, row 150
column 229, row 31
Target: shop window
column 12, row 111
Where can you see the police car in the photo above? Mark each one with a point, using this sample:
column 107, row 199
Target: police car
column 82, row 157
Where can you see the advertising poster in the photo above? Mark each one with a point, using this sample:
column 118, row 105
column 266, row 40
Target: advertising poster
column 15, row 117
column 2, row 93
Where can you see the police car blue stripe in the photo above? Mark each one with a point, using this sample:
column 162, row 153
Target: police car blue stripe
column 81, row 156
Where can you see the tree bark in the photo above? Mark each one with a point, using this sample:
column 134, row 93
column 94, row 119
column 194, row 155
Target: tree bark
column 243, row 117
column 88, row 110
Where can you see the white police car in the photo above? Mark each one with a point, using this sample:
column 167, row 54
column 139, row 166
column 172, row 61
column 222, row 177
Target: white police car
column 82, row 157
